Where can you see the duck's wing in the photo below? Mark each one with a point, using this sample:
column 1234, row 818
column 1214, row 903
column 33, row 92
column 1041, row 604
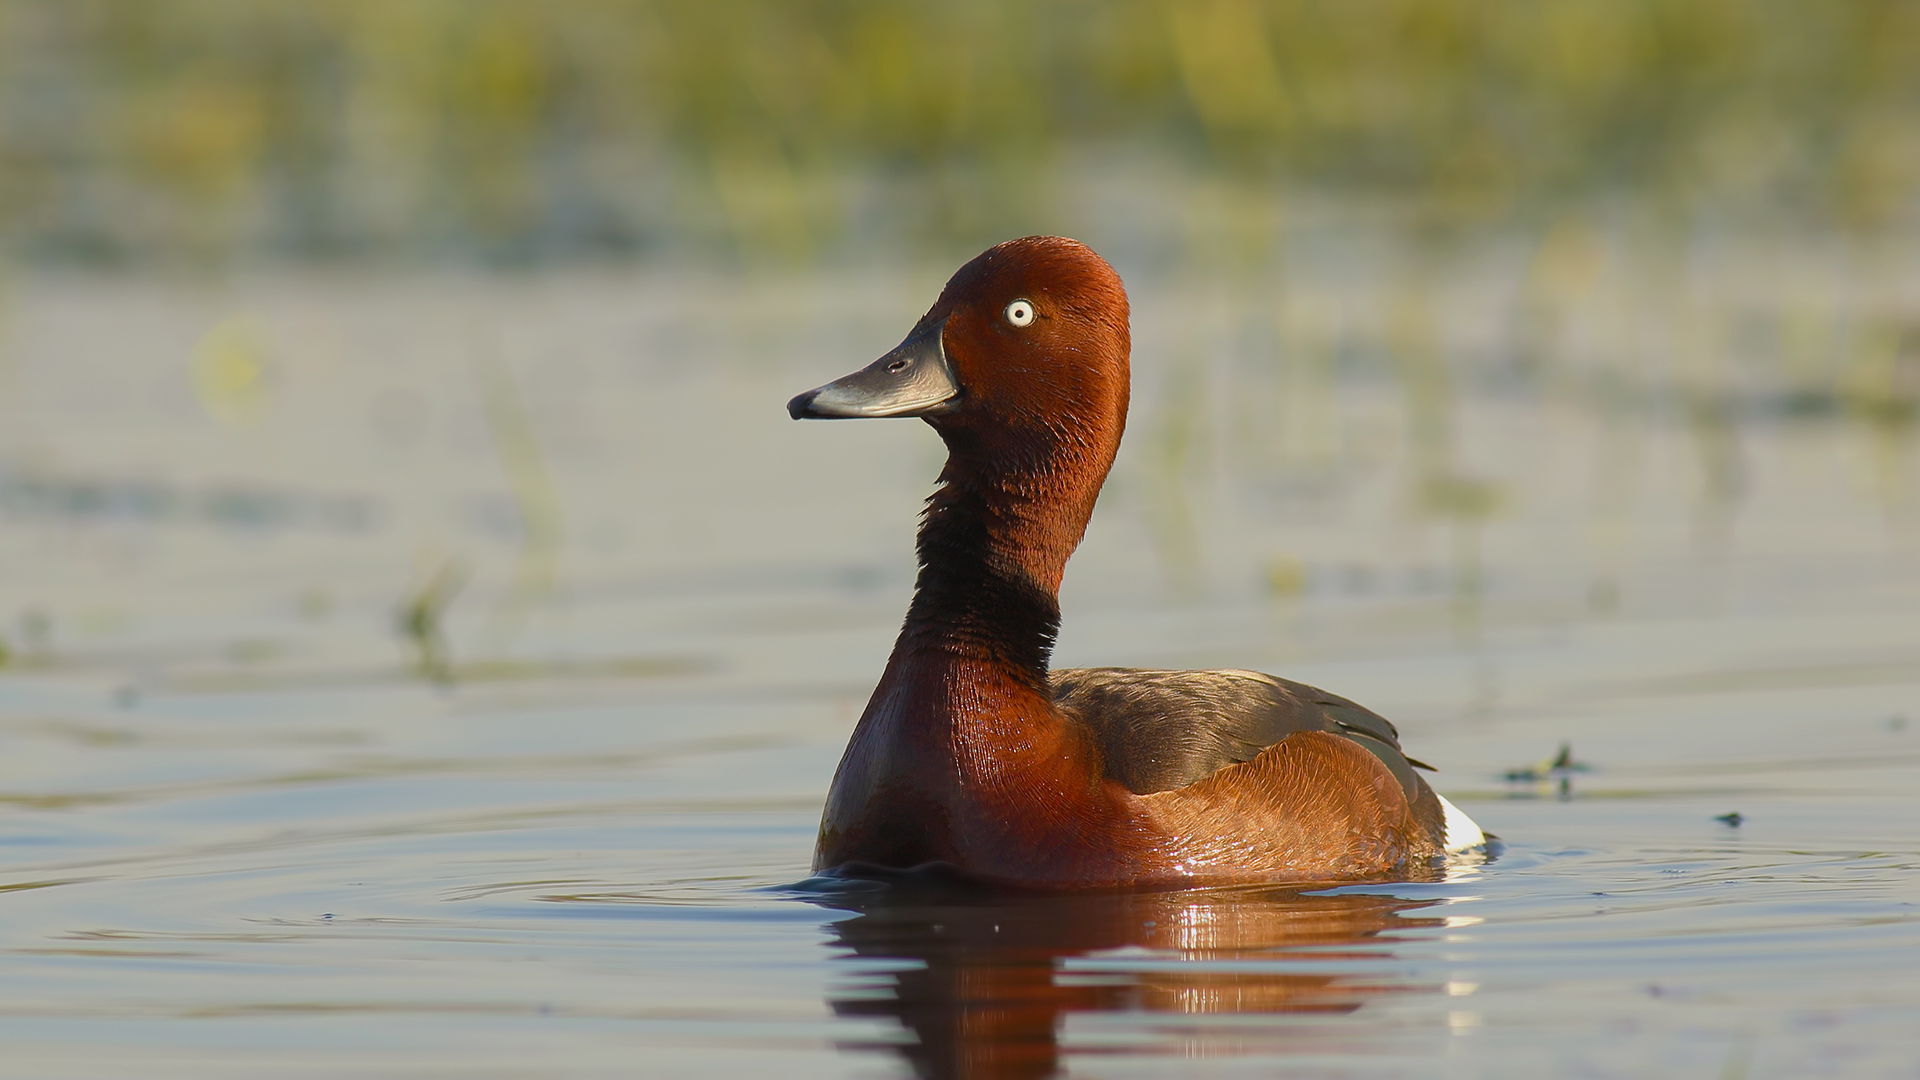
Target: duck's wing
column 1161, row 730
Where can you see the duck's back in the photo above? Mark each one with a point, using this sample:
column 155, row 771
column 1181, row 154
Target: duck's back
column 1164, row 730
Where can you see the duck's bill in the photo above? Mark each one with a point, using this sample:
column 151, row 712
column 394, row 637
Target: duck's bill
column 912, row 380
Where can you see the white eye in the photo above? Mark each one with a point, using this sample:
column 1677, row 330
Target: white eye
column 1020, row 313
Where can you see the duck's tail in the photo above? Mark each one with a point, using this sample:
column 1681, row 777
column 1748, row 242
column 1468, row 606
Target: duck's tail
column 1462, row 833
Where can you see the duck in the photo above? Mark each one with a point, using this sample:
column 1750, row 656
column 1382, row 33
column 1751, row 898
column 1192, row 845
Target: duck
column 973, row 757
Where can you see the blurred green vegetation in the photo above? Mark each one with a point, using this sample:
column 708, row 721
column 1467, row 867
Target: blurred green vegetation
column 535, row 129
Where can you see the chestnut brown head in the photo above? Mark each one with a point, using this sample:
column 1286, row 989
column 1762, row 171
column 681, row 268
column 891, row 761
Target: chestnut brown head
column 1025, row 353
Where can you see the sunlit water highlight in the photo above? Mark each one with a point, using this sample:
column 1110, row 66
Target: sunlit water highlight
column 243, row 834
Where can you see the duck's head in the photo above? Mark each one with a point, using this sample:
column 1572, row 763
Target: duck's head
column 1023, row 359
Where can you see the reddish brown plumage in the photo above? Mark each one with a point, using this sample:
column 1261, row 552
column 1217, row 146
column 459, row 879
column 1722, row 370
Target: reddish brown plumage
column 962, row 756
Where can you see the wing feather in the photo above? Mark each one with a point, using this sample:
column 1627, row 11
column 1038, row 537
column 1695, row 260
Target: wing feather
column 1161, row 730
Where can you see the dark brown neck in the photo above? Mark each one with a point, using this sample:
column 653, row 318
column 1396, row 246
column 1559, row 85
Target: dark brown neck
column 992, row 548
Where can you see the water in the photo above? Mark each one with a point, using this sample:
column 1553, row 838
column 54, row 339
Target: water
column 244, row 832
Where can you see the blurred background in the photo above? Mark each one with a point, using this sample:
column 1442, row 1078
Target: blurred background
column 417, row 274
column 409, row 574
column 511, row 134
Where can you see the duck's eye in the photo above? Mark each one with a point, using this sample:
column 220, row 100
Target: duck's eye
column 1020, row 313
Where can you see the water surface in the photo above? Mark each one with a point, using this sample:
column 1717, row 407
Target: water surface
column 442, row 676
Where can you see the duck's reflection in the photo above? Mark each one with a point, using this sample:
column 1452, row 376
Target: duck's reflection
column 983, row 985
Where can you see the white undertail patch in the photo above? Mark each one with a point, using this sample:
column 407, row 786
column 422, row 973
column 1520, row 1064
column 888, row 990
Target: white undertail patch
column 1462, row 833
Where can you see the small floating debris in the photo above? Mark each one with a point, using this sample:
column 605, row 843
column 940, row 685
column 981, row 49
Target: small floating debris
column 1732, row 820
column 1550, row 768
column 420, row 621
column 1558, row 769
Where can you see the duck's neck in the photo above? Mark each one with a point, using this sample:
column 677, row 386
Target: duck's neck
column 961, row 757
column 992, row 549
